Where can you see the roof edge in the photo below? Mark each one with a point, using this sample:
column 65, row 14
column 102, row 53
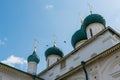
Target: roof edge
column 84, row 44
column 20, row 71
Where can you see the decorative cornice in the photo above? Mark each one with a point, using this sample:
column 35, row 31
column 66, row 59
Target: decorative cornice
column 109, row 51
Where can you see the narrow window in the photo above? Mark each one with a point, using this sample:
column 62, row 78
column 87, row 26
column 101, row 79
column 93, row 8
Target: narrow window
column 91, row 34
column 57, row 59
column 48, row 63
column 63, row 64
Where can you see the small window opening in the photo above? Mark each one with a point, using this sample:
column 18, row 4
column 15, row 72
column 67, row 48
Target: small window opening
column 91, row 34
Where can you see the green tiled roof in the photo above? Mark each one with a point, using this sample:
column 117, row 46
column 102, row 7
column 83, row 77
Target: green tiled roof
column 92, row 18
column 33, row 57
column 78, row 36
column 53, row 51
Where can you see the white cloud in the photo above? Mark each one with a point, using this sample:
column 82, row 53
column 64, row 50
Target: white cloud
column 13, row 60
column 48, row 7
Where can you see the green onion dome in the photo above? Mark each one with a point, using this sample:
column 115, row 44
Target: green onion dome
column 33, row 58
column 53, row 51
column 78, row 36
column 92, row 18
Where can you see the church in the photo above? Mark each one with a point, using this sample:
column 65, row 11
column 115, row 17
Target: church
column 96, row 56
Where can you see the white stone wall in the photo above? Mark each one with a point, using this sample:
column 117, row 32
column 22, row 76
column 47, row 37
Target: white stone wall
column 107, row 68
column 32, row 67
column 6, row 75
column 77, row 76
column 52, row 73
column 79, row 43
column 97, row 46
column 92, row 70
column 110, row 67
column 95, row 27
column 51, row 59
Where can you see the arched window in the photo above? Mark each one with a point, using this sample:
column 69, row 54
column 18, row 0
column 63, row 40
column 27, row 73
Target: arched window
column 91, row 34
column 48, row 63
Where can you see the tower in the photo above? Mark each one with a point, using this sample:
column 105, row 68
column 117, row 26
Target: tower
column 33, row 61
column 53, row 54
column 79, row 37
column 93, row 24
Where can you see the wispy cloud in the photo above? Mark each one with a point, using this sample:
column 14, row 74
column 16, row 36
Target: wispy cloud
column 3, row 41
column 13, row 60
column 49, row 6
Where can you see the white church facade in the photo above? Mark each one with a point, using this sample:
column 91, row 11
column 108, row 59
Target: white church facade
column 96, row 56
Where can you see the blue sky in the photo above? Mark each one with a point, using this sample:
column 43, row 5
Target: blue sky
column 21, row 21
